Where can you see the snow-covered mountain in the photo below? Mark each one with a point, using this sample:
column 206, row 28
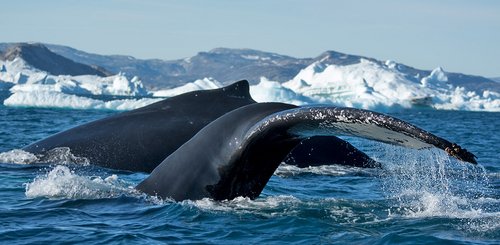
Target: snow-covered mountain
column 224, row 65
column 332, row 78
column 40, row 57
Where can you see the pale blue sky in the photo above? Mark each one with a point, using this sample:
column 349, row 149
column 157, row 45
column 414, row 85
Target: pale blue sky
column 459, row 35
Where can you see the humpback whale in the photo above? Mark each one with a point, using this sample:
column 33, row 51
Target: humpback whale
column 236, row 154
column 326, row 150
column 139, row 140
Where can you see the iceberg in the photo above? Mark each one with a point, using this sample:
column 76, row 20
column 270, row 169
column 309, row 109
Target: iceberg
column 382, row 86
column 31, row 87
column 51, row 99
column 201, row 84
column 368, row 84
column 437, row 80
column 23, row 78
column 271, row 91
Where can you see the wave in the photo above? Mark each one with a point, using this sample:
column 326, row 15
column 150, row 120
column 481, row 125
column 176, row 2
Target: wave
column 416, row 185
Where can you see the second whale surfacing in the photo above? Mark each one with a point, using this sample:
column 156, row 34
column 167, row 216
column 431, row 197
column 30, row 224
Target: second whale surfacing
column 237, row 154
column 140, row 139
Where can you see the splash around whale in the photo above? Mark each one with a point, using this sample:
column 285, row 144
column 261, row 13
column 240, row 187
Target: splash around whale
column 224, row 144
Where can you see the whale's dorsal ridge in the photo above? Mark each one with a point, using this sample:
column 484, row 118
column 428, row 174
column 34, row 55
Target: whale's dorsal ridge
column 239, row 89
column 140, row 139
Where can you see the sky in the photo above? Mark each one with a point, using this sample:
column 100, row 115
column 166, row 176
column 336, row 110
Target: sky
column 458, row 35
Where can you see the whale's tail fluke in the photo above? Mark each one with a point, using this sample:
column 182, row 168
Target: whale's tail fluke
column 236, row 154
column 317, row 151
column 327, row 120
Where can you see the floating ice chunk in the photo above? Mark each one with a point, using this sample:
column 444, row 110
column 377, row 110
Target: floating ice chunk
column 366, row 84
column 50, row 99
column 270, row 91
column 460, row 99
column 201, row 84
column 26, row 78
column 121, row 85
column 437, row 79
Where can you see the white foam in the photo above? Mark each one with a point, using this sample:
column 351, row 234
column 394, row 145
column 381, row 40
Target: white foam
column 18, row 156
column 285, row 170
column 61, row 182
column 428, row 204
column 59, row 155
column 268, row 206
column 338, row 210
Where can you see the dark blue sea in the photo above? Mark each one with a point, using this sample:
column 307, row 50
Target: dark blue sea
column 418, row 197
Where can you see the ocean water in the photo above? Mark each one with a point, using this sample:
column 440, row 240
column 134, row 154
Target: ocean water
column 418, row 197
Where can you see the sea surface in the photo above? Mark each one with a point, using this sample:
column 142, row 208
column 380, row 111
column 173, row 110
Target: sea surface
column 418, row 197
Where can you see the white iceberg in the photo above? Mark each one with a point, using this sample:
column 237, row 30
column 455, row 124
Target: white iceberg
column 368, row 84
column 270, row 91
column 23, row 78
column 365, row 85
column 51, row 99
column 372, row 85
column 201, row 84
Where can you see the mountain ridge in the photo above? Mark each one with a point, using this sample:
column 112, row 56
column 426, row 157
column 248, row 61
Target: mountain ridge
column 40, row 57
column 227, row 65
